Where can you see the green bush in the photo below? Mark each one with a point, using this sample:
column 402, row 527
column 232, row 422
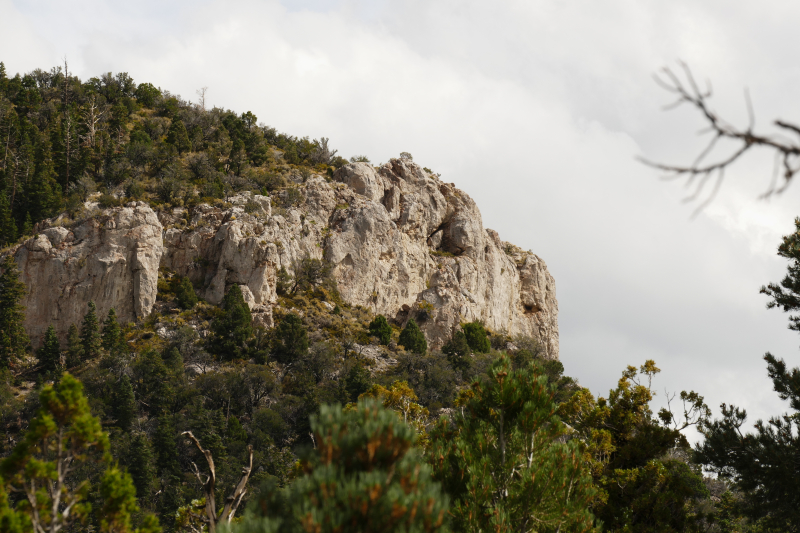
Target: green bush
column 185, row 295
column 380, row 328
column 477, row 338
column 412, row 338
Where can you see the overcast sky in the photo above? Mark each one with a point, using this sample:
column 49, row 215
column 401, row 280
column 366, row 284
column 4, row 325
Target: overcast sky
column 537, row 109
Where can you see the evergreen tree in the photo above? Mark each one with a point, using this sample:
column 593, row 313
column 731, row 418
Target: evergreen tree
column 178, row 137
column 356, row 382
column 284, row 282
column 49, row 354
column 412, row 338
column 141, row 465
column 185, row 295
column 501, row 461
column 74, row 347
column 42, row 191
column 13, row 338
column 123, row 404
column 233, row 327
column 112, row 334
column 165, row 448
column 118, row 496
column 63, row 437
column 27, row 226
column 364, row 475
column 458, row 352
column 8, row 228
column 291, row 339
column 476, row 337
column 380, row 328
column 91, row 341
column 763, row 464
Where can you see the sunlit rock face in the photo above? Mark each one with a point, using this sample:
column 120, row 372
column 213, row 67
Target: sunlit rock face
column 111, row 259
column 402, row 243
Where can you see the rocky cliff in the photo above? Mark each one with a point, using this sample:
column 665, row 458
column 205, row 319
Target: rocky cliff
column 402, row 243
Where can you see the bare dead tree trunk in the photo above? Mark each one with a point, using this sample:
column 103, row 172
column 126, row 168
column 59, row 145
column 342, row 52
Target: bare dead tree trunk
column 233, row 500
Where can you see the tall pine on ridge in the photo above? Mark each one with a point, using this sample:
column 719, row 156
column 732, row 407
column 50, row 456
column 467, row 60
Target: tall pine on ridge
column 13, row 338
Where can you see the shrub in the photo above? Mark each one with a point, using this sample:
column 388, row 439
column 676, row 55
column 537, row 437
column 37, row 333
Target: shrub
column 185, row 295
column 476, row 337
column 412, row 338
column 380, row 328
column 291, row 340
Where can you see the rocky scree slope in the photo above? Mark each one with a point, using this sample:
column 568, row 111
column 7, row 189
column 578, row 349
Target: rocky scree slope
column 402, row 243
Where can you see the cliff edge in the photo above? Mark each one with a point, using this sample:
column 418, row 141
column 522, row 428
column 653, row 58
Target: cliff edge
column 401, row 242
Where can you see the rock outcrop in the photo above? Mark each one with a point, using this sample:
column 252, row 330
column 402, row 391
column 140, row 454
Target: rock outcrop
column 402, row 243
column 111, row 258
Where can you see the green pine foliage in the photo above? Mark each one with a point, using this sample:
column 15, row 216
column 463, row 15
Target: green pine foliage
column 141, row 465
column 185, row 296
column 13, row 338
column 412, row 338
column 476, row 336
column 501, row 460
column 49, row 354
column 74, row 347
column 178, row 137
column 458, row 352
column 8, row 227
column 123, row 404
column 91, row 341
column 759, row 462
column 112, row 340
column 291, row 340
column 380, row 328
column 63, row 437
column 364, row 475
column 233, row 327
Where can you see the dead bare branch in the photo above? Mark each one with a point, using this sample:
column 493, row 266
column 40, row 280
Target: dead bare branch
column 688, row 92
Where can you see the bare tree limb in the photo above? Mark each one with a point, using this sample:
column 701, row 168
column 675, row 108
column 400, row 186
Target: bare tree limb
column 233, row 500
column 787, row 151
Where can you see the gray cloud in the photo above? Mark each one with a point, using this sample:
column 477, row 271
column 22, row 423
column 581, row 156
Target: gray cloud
column 536, row 109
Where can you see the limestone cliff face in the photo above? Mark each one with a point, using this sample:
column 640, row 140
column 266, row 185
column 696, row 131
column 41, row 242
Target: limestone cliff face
column 111, row 259
column 402, row 242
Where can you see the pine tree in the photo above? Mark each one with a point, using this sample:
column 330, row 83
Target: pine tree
column 141, row 465
column 8, row 228
column 185, row 295
column 74, row 347
column 123, row 404
column 412, row 338
column 64, row 437
column 13, row 338
column 112, row 333
column 43, row 192
column 27, row 226
column 501, row 461
column 476, row 337
column 364, row 475
column 50, row 352
column 291, row 339
column 233, row 328
column 458, row 352
column 380, row 328
column 91, row 342
column 165, row 448
column 178, row 137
